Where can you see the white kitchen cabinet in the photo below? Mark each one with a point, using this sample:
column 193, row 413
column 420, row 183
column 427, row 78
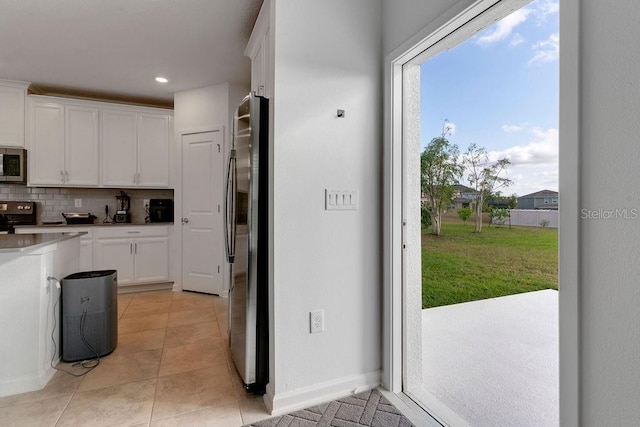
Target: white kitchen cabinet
column 116, row 254
column 135, row 149
column 153, row 150
column 96, row 144
column 63, row 143
column 46, row 144
column 140, row 254
column 259, row 50
column 12, row 113
column 119, row 139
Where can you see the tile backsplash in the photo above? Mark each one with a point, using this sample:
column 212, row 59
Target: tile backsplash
column 51, row 202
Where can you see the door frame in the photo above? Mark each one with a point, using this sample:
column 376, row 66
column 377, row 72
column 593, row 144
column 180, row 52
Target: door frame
column 394, row 291
column 176, row 249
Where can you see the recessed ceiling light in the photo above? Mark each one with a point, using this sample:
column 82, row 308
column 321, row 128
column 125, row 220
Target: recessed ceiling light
column 162, row 80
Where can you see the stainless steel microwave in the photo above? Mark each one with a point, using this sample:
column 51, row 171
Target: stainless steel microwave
column 13, row 165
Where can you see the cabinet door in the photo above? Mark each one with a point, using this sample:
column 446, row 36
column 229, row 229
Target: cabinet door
column 81, row 145
column 151, row 259
column 12, row 115
column 153, row 150
column 86, row 254
column 46, row 155
column 119, row 152
column 115, row 254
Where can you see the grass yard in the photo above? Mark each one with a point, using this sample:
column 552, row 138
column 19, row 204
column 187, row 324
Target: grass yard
column 460, row 265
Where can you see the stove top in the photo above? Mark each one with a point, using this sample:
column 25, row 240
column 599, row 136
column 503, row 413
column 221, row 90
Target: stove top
column 14, row 213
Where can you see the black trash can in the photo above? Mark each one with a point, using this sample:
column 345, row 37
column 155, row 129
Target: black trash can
column 89, row 315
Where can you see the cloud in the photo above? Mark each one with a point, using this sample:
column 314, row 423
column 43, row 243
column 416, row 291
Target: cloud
column 546, row 50
column 542, row 9
column 543, row 150
column 513, row 128
column 503, row 29
column 534, row 165
column 516, row 40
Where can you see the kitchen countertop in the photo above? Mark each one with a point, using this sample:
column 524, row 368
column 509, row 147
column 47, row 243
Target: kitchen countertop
column 100, row 224
column 12, row 243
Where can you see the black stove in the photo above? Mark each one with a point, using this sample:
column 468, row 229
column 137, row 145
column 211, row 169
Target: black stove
column 16, row 213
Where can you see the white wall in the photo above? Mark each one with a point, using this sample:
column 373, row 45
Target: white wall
column 198, row 110
column 609, row 288
column 327, row 56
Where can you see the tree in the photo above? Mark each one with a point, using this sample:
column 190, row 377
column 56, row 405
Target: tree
column 484, row 176
column 440, row 170
column 464, row 214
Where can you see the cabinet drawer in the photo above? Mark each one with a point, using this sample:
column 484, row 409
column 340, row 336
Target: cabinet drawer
column 118, row 232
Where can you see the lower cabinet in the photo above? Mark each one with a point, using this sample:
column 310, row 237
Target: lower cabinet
column 140, row 254
column 140, row 260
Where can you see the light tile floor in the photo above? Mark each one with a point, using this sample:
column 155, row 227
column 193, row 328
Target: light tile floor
column 171, row 367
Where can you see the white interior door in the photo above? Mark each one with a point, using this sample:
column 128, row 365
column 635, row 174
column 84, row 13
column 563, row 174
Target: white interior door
column 202, row 223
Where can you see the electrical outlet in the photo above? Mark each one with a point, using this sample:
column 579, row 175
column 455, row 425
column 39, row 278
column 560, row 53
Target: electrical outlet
column 316, row 319
column 78, row 203
column 145, row 203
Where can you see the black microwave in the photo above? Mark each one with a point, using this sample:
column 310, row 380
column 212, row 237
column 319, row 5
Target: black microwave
column 13, row 165
column 161, row 210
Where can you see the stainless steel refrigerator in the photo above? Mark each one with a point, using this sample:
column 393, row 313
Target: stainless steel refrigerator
column 246, row 221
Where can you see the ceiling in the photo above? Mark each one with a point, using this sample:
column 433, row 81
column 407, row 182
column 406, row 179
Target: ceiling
column 114, row 49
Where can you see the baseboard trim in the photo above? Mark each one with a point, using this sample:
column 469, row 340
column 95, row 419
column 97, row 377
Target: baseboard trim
column 127, row 289
column 294, row 400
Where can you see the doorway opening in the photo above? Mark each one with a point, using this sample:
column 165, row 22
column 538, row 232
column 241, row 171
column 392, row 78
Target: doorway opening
column 458, row 378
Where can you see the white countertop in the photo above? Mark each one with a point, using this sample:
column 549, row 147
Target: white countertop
column 11, row 243
column 99, row 224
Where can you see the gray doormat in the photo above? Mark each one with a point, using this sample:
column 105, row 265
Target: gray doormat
column 364, row 409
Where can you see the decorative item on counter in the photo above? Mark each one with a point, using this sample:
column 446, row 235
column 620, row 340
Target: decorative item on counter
column 147, row 217
column 107, row 218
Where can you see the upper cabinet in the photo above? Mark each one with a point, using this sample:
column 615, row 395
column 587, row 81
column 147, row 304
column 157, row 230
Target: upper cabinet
column 135, row 149
column 63, row 144
column 259, row 50
column 12, row 113
column 95, row 144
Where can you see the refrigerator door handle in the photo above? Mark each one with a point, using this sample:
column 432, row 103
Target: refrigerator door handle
column 230, row 208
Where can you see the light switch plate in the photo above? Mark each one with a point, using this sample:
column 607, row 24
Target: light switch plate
column 341, row 200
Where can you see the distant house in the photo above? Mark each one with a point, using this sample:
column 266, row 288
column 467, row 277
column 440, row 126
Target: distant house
column 463, row 197
column 545, row 199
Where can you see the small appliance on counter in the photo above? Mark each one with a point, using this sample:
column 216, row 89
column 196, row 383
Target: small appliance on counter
column 16, row 213
column 122, row 208
column 161, row 210
column 75, row 218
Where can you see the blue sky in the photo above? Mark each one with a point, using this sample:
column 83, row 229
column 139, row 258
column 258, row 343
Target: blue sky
column 499, row 89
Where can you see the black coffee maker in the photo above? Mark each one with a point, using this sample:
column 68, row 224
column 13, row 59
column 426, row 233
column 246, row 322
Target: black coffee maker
column 122, row 208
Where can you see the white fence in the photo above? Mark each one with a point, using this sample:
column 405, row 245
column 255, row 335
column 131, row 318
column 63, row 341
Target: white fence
column 534, row 218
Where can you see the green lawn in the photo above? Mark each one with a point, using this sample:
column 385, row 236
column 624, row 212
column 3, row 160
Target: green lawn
column 460, row 265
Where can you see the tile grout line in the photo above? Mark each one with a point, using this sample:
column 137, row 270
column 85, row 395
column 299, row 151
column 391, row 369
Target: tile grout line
column 164, row 338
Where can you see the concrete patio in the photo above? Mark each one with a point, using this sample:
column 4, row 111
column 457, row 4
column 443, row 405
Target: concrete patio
column 493, row 362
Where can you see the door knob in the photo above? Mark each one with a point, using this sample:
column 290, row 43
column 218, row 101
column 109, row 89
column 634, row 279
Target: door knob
column 185, row 220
